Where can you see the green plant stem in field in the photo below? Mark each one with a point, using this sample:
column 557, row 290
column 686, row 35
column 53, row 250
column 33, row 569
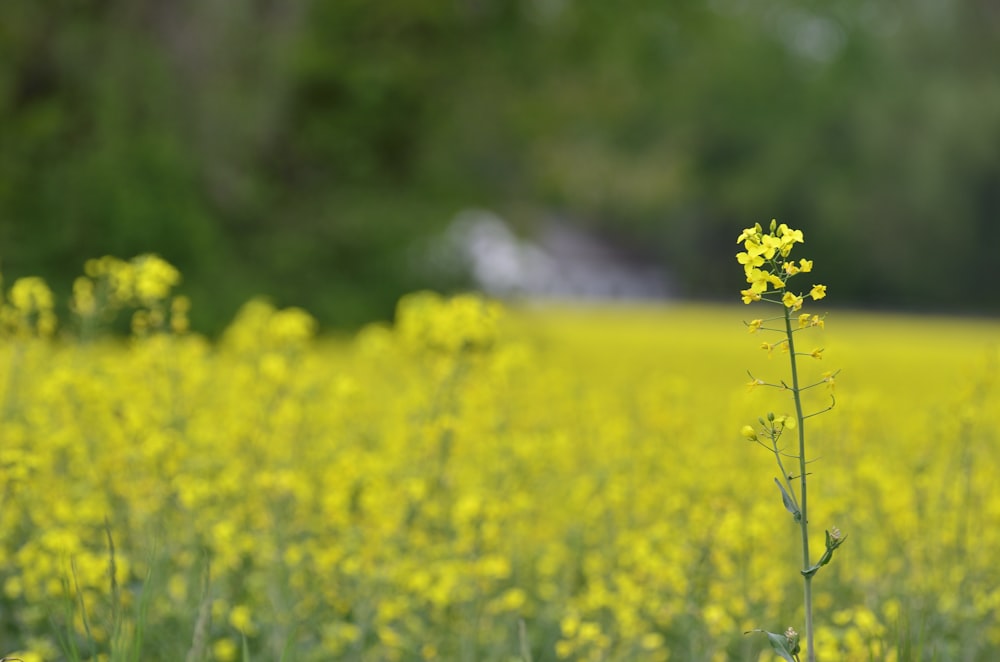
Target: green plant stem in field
column 768, row 270
column 804, row 495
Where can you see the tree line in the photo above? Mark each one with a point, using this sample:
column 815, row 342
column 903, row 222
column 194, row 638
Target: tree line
column 307, row 149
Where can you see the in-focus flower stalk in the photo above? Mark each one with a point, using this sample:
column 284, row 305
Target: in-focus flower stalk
column 768, row 271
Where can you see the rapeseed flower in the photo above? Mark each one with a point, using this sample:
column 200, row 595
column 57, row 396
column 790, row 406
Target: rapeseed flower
column 792, row 301
column 423, row 487
column 749, row 260
column 765, row 273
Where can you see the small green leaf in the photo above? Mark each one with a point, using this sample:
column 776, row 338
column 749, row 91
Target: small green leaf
column 831, row 545
column 779, row 643
column 788, row 501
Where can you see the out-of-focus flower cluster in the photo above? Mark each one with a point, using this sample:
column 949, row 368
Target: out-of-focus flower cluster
column 142, row 285
column 416, row 492
column 27, row 310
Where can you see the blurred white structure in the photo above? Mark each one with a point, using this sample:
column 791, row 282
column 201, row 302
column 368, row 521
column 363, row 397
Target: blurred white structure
column 562, row 262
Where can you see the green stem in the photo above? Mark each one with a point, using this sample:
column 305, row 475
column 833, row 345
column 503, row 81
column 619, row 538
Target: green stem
column 804, row 502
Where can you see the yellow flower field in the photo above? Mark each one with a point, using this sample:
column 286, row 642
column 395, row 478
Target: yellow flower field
column 481, row 483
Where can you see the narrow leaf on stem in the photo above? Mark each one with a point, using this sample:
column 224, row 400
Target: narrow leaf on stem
column 788, row 501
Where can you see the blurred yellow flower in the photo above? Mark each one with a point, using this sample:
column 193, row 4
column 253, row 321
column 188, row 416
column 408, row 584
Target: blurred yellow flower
column 792, row 301
column 417, row 489
column 750, row 296
column 225, row 650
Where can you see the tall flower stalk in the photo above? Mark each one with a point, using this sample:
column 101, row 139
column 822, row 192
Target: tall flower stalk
column 769, row 269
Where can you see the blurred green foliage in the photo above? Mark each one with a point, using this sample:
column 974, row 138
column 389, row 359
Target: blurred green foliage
column 303, row 148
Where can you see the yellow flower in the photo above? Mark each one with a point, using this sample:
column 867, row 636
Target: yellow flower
column 758, row 280
column 830, row 378
column 804, row 320
column 749, row 261
column 652, row 641
column 816, row 320
column 787, row 238
column 818, row 292
column 785, row 421
column 749, row 233
column 754, row 247
column 513, row 599
column 154, row 277
column 790, row 268
column 789, row 235
column 83, row 301
column 241, row 618
column 570, row 624
column 748, row 432
column 749, row 296
column 805, row 265
column 792, row 301
column 225, row 649
column 754, row 325
column 564, row 649
column 771, row 245
column 817, row 353
column 30, row 294
column 770, row 347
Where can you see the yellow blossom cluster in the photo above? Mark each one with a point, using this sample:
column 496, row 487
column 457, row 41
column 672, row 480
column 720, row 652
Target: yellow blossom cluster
column 27, row 310
column 767, row 267
column 142, row 285
column 429, row 489
column 463, row 322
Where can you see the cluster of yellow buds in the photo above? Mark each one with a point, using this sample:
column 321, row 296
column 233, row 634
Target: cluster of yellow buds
column 465, row 322
column 28, row 311
column 143, row 283
column 259, row 325
column 272, row 339
column 767, row 266
column 143, row 280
